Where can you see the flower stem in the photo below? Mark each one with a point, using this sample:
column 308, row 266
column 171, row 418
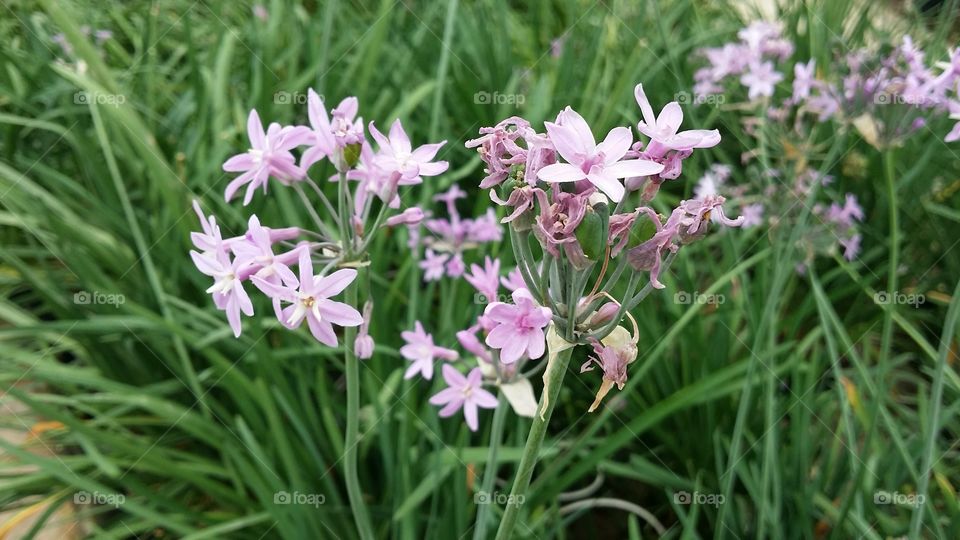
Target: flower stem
column 889, row 162
column 531, row 451
column 352, row 442
column 490, row 469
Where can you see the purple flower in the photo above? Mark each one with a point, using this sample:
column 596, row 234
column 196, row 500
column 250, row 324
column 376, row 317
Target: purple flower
column 269, row 155
column 468, row 340
column 422, row 352
column 518, row 329
column 227, row 289
column 760, row 80
column 663, row 129
column 752, row 215
column 310, row 300
column 487, row 279
column 396, row 155
column 463, row 393
column 433, row 265
column 513, row 280
column 321, row 140
column 587, row 160
column 410, row 216
column 851, row 247
column 804, row 78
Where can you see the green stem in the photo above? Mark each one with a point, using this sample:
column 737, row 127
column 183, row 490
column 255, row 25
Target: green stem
column 490, row 470
column 887, row 336
column 351, row 442
column 531, row 451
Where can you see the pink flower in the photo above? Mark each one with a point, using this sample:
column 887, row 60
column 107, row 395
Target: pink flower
column 487, row 279
column 310, row 300
column 269, row 155
column 468, row 340
column 463, row 393
column 410, row 216
column 433, row 265
column 760, row 80
column 513, row 280
column 422, row 352
column 598, row 163
column 227, row 288
column 396, row 155
column 663, row 129
column 363, row 344
column 322, row 142
column 518, row 329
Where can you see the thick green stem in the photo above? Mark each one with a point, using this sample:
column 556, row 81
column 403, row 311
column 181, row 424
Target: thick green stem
column 490, row 469
column 531, row 451
column 351, row 442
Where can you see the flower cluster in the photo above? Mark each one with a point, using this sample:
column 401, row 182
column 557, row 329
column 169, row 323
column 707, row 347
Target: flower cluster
column 885, row 96
column 514, row 335
column 449, row 237
column 262, row 256
column 585, row 203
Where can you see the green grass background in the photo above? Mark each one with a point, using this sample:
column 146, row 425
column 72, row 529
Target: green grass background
column 783, row 399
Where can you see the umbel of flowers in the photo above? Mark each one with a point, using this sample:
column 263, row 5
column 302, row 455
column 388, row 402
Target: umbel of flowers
column 588, row 245
column 301, row 269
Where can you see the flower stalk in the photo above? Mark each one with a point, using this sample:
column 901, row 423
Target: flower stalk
column 352, row 436
column 553, row 380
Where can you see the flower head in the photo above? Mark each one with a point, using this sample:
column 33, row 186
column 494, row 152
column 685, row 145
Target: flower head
column 600, row 164
column 463, row 393
column 486, row 279
column 663, row 129
column 310, row 299
column 269, row 155
column 422, row 352
column 518, row 329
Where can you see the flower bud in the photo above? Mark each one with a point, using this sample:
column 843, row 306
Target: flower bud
column 351, row 155
column 591, row 234
column 410, row 216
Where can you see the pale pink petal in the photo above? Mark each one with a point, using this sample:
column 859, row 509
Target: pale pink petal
column 255, row 130
column 633, row 167
column 339, row 313
column 670, row 118
column 648, row 117
column 470, row 414
column 323, row 331
column 335, row 283
column 616, row 144
column 608, row 184
column 560, row 172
